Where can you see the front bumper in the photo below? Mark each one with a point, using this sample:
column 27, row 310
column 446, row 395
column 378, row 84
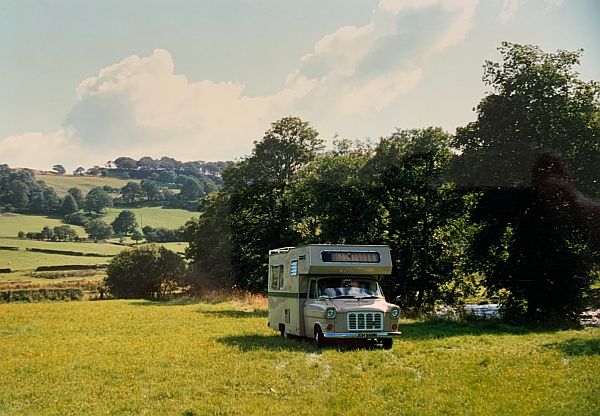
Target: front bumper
column 361, row 335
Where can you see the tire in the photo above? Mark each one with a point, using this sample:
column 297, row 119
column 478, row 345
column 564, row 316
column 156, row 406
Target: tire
column 319, row 338
column 387, row 343
column 282, row 331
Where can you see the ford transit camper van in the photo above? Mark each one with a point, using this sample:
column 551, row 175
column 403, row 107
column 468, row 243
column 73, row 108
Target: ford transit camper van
column 331, row 292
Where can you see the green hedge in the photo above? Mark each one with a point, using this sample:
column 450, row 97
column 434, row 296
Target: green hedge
column 9, row 248
column 39, row 295
column 70, row 267
column 66, row 252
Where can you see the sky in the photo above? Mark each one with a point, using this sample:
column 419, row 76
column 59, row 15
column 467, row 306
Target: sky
column 84, row 82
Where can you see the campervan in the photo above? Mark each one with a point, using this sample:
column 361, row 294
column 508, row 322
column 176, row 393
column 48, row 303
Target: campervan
column 332, row 292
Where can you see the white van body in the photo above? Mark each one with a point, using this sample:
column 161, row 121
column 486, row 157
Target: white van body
column 329, row 292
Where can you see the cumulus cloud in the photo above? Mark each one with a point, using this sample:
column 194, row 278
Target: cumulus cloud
column 142, row 106
column 509, row 9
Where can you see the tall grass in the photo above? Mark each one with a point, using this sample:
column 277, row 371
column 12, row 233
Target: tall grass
column 136, row 357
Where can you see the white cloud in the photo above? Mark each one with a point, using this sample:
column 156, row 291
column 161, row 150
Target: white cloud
column 509, row 9
column 140, row 106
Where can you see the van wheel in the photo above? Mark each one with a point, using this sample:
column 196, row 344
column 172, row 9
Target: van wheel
column 387, row 343
column 282, row 331
column 319, row 338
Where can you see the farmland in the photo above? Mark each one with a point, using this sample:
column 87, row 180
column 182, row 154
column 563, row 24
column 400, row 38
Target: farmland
column 11, row 224
column 153, row 216
column 62, row 183
column 137, row 357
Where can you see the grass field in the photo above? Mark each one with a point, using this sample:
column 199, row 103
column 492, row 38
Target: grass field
column 136, row 357
column 62, row 183
column 11, row 224
column 154, row 216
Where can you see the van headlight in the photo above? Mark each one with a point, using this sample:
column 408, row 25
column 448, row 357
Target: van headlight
column 330, row 313
column 395, row 313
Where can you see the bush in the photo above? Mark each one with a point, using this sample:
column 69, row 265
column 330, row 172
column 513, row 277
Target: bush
column 77, row 218
column 144, row 272
column 37, row 295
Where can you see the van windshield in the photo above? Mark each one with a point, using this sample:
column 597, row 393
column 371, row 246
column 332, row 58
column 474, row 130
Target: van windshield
column 349, row 287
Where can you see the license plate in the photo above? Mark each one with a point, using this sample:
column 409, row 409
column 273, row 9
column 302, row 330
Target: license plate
column 361, row 335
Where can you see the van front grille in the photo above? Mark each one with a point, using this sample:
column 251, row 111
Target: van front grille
column 365, row 321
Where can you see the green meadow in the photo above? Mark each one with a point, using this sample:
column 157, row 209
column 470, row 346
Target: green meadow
column 138, row 357
column 62, row 183
column 153, row 216
column 11, row 224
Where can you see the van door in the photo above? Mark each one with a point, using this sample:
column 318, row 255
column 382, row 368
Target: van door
column 312, row 311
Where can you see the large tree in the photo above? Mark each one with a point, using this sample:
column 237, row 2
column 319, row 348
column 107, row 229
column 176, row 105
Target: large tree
column 96, row 200
column 125, row 223
column 533, row 153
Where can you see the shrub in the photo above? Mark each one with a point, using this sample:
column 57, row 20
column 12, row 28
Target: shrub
column 144, row 272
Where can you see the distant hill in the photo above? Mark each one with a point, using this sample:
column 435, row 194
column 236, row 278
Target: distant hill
column 61, row 183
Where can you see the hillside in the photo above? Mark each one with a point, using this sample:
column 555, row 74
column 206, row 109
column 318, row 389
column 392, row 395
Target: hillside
column 61, row 183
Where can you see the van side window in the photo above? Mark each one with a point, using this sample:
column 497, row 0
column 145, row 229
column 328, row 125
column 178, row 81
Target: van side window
column 311, row 290
column 276, row 277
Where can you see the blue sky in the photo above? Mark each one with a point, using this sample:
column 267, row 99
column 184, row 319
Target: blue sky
column 86, row 82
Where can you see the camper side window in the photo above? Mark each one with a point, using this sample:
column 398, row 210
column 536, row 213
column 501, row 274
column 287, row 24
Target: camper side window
column 312, row 290
column 276, row 277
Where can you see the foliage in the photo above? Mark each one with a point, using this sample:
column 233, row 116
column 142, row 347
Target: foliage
column 98, row 229
column 125, row 223
column 64, row 233
column 60, row 169
column 69, row 205
column 132, row 192
column 162, row 234
column 96, row 200
column 76, row 218
column 144, row 272
column 151, row 190
column 537, row 229
column 77, row 195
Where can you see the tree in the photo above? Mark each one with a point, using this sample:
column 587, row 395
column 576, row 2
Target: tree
column 144, row 272
column 424, row 215
column 540, row 123
column 126, row 163
column 96, row 200
column 137, row 236
column 132, row 192
column 125, row 223
column 60, row 169
column 98, row 230
column 21, row 235
column 77, row 195
column 151, row 189
column 260, row 215
column 147, row 163
column 69, row 205
column 64, row 233
column 167, row 176
column 79, row 171
column 209, row 238
column 191, row 190
column 47, row 233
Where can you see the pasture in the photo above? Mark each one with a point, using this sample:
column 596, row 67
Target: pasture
column 11, row 224
column 219, row 358
column 62, row 183
column 153, row 216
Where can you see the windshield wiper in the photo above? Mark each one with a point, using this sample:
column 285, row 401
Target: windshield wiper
column 343, row 297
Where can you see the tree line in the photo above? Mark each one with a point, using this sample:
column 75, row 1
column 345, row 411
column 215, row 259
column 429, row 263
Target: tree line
column 508, row 202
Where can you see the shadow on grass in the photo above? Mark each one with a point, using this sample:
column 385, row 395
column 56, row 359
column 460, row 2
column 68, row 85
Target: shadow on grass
column 172, row 302
column 232, row 313
column 576, row 347
column 436, row 329
column 247, row 343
